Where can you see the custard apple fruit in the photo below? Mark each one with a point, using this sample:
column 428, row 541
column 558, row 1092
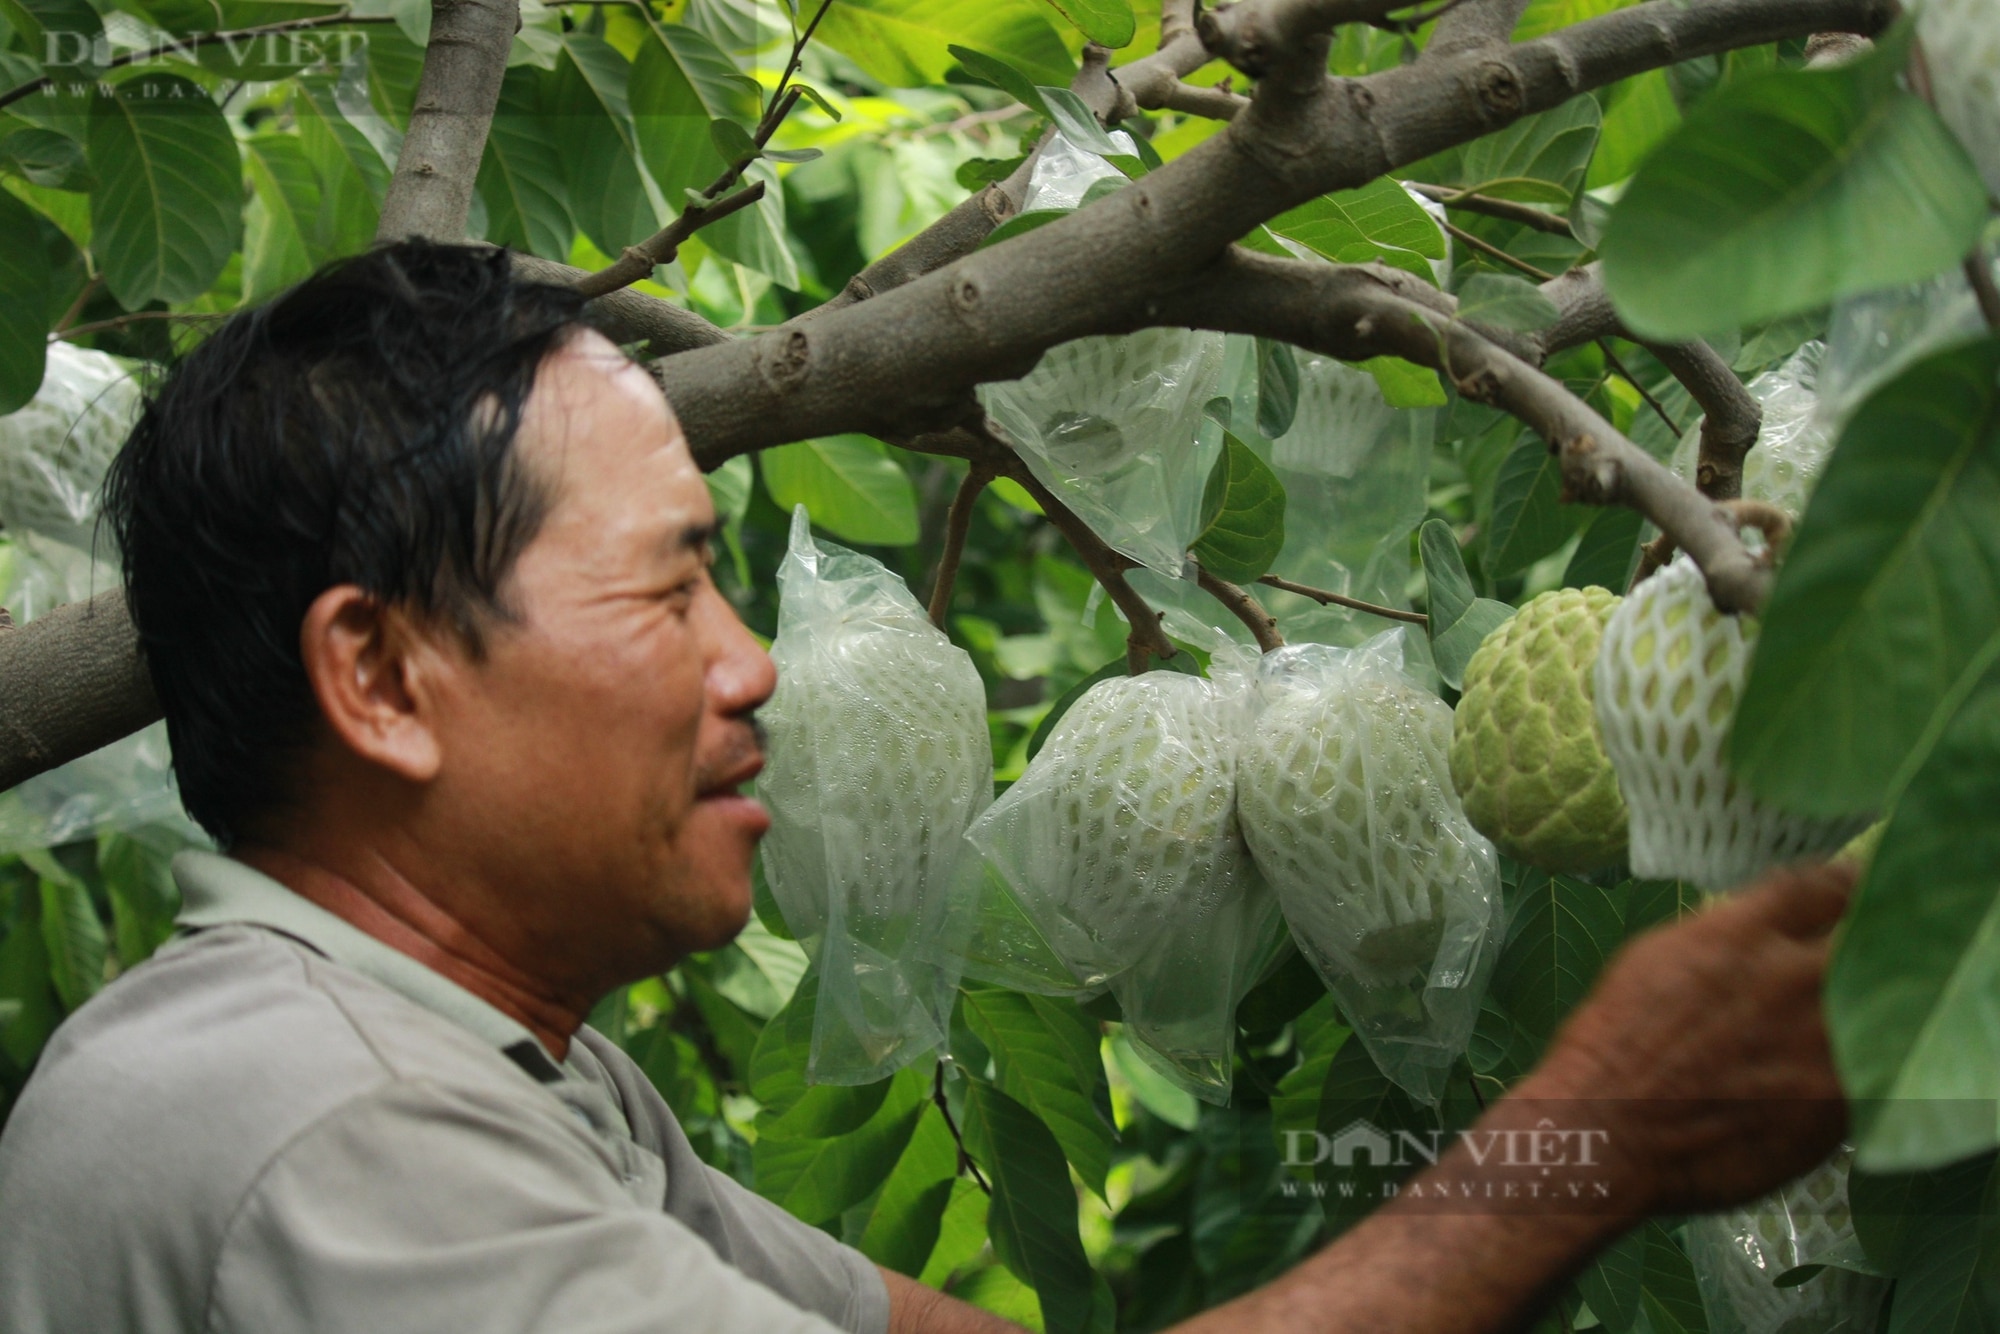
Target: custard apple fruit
column 1124, row 825
column 878, row 757
column 1669, row 672
column 1347, row 804
column 1525, row 756
column 1737, row 1257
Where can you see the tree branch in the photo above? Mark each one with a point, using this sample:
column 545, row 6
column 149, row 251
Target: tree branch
column 627, row 316
column 1981, row 278
column 640, row 260
column 957, row 524
column 1326, row 597
column 1731, row 419
column 431, row 192
column 74, row 683
column 1152, row 82
column 1262, row 624
column 1349, row 313
column 1505, row 209
column 1469, row 27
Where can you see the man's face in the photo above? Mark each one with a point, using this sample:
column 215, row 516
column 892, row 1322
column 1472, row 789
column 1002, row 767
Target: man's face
column 591, row 760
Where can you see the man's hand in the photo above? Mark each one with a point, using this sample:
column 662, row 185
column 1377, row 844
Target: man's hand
column 1704, row 1050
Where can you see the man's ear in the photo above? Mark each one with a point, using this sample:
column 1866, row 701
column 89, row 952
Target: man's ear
column 373, row 670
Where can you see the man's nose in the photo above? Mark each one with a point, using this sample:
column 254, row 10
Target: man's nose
column 741, row 675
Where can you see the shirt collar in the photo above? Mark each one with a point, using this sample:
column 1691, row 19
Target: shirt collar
column 220, row 891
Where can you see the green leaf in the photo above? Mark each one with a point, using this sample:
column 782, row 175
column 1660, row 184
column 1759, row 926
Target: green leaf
column 817, row 1179
column 997, row 72
column 521, row 177
column 778, row 1064
column 74, row 938
column 732, row 141
column 906, row 43
column 60, row 32
column 1913, row 993
column 1319, row 1036
column 1543, row 17
column 903, row 1226
column 1609, row 552
column 24, row 980
column 1379, row 221
column 818, row 99
column 1356, row 1090
column 1505, row 302
column 793, row 155
column 352, row 174
column 1560, row 933
column 1244, row 507
column 1405, row 384
column 961, row 1233
column 1458, row 620
column 1642, row 115
column 1786, row 190
column 1529, row 519
column 1106, row 22
column 849, row 485
column 1032, row 1218
column 1887, row 609
column 755, row 237
column 1639, row 1278
column 24, row 304
column 1167, row 1101
column 1022, row 222
column 144, row 898
column 589, row 99
column 1277, row 387
column 680, row 81
column 1936, row 1233
column 281, row 245
column 1538, row 159
column 1046, row 1057
column 729, row 488
column 1077, row 122
column 167, row 210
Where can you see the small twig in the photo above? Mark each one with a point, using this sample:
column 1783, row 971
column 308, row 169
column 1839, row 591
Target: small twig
column 638, row 261
column 193, row 40
column 1492, row 251
column 965, row 1163
column 1263, row 625
column 956, row 525
column 1774, row 523
column 120, row 321
column 1604, row 346
column 76, row 306
column 1327, row 598
column 1505, row 209
column 1981, row 278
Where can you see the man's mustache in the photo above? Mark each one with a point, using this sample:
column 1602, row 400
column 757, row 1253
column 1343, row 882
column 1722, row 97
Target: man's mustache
column 744, row 749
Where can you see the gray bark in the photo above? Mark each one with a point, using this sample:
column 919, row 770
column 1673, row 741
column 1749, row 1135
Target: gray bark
column 431, row 192
column 74, row 683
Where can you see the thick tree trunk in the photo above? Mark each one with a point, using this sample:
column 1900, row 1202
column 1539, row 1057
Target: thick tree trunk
column 431, row 193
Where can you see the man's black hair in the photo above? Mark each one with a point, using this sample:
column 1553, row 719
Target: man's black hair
column 358, row 429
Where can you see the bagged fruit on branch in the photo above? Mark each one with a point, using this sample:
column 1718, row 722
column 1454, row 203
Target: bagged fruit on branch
column 1344, row 786
column 1120, row 847
column 1792, row 443
column 1525, row 755
column 1738, row 1256
column 1669, row 673
column 1063, row 173
column 1873, row 336
column 1110, row 424
column 879, row 757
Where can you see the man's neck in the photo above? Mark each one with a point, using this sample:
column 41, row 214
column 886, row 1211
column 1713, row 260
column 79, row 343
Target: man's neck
column 378, row 900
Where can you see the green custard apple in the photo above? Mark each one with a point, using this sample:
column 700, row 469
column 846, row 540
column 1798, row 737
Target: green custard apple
column 1525, row 755
column 1347, row 804
column 1669, row 673
column 1124, row 825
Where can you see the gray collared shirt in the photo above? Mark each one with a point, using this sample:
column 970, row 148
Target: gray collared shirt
column 280, row 1124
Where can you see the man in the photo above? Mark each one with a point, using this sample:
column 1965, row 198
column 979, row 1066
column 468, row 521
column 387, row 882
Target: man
column 420, row 564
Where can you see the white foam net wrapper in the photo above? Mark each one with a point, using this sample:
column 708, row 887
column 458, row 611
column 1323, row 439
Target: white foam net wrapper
column 54, row 453
column 1737, row 1257
column 1793, row 442
column 1120, row 846
column 1962, row 47
column 1344, row 787
column 1669, row 673
column 878, row 758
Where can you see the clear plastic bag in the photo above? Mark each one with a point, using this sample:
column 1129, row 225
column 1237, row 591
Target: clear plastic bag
column 879, row 757
column 1120, row 849
column 1111, row 426
column 1355, row 472
column 1064, row 173
column 1344, row 786
column 1962, row 46
column 1793, row 442
column 1737, row 1257
column 1874, row 335
column 54, row 453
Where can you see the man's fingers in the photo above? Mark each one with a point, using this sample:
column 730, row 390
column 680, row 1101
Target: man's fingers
column 1801, row 902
